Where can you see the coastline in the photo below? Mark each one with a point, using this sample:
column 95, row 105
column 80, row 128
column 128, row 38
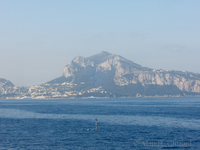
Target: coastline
column 50, row 98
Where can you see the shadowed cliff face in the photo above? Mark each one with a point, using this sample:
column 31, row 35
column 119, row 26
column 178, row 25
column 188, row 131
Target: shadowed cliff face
column 125, row 72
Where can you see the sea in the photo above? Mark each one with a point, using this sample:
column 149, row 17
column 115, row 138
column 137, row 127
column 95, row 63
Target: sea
column 100, row 124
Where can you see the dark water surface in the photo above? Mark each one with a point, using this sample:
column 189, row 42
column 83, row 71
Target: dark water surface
column 131, row 123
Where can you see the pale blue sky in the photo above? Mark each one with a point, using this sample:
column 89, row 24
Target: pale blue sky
column 39, row 37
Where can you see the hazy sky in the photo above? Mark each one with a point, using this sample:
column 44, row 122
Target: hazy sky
column 38, row 38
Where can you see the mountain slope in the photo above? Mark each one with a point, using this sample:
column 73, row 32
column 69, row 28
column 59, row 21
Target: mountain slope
column 107, row 75
column 6, row 88
column 117, row 76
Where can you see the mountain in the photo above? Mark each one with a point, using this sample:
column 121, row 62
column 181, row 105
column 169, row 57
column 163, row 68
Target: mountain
column 5, row 83
column 107, row 75
column 9, row 91
column 6, row 87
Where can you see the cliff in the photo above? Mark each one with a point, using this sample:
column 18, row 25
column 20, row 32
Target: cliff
column 114, row 73
column 108, row 75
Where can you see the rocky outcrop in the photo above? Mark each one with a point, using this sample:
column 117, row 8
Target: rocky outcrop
column 107, row 75
column 75, row 65
column 161, row 77
column 127, row 72
column 6, row 87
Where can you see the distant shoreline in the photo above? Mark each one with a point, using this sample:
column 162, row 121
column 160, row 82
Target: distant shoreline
column 99, row 97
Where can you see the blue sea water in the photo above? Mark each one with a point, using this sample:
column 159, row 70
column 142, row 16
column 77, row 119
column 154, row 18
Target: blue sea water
column 129, row 123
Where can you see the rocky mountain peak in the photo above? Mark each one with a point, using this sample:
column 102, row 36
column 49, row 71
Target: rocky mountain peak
column 4, row 82
column 75, row 65
column 106, row 69
column 103, row 62
column 100, row 57
column 5, row 86
column 81, row 61
column 108, row 75
column 104, row 53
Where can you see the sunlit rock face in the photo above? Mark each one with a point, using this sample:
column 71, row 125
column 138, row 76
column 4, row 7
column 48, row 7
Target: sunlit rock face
column 107, row 75
column 126, row 72
column 76, row 64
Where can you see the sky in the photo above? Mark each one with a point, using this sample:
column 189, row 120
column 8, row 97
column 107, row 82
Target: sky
column 39, row 38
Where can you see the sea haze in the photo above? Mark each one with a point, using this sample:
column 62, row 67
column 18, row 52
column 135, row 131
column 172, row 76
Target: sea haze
column 131, row 123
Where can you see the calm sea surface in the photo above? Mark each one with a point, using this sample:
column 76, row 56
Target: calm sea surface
column 130, row 123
